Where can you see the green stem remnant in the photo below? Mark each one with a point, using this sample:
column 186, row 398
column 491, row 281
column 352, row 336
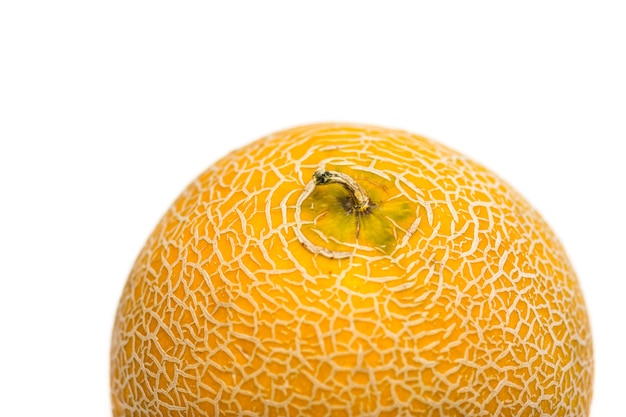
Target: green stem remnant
column 344, row 220
column 362, row 203
column 358, row 204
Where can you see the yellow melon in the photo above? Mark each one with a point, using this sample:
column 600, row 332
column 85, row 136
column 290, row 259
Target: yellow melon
column 348, row 270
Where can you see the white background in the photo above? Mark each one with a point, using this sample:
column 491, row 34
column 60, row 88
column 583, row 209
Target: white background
column 108, row 109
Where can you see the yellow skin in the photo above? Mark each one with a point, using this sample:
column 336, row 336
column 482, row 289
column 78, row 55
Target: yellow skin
column 269, row 290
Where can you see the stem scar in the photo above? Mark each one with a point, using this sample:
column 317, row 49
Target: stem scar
column 359, row 204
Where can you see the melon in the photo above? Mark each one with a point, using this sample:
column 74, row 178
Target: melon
column 351, row 270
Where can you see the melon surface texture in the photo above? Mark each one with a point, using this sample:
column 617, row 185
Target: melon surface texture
column 349, row 270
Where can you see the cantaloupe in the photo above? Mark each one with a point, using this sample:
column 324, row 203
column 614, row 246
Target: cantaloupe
column 349, row 270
